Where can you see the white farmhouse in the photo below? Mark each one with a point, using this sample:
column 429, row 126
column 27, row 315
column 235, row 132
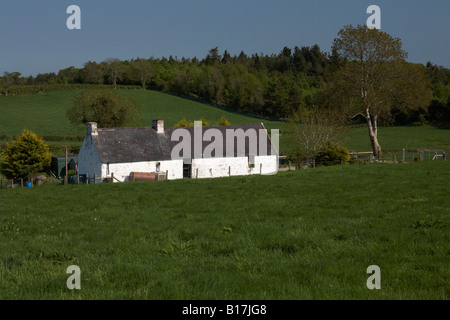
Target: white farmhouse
column 229, row 151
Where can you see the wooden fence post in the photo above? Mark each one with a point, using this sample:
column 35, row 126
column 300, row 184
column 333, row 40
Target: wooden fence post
column 78, row 178
column 112, row 177
column 260, row 168
column 229, row 171
column 404, row 155
column 87, row 178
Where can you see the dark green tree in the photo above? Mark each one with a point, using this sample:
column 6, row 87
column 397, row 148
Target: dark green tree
column 106, row 107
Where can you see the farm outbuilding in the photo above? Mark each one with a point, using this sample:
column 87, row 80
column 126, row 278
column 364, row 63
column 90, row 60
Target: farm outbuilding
column 58, row 164
column 127, row 153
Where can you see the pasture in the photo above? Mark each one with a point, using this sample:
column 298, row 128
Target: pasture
column 45, row 114
column 307, row 234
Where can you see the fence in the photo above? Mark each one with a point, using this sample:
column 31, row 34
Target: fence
column 76, row 179
column 405, row 155
column 393, row 156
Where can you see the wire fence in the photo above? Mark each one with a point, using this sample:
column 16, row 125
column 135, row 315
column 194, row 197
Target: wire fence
column 392, row 156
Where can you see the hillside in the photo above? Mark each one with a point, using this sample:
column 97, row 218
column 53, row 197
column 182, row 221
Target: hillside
column 45, row 114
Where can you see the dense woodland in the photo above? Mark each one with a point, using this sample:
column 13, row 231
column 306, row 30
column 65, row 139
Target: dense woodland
column 266, row 85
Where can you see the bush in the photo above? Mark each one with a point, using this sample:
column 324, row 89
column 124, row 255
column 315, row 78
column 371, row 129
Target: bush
column 26, row 155
column 332, row 154
column 223, row 122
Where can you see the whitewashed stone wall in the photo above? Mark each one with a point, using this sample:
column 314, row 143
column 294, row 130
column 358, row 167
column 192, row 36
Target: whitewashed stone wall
column 122, row 171
column 239, row 166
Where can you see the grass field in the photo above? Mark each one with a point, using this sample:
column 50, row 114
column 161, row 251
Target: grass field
column 45, row 114
column 308, row 234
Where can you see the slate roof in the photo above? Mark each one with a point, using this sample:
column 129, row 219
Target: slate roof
column 119, row 145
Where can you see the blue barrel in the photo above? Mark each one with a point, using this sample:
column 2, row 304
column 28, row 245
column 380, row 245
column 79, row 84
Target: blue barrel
column 28, row 184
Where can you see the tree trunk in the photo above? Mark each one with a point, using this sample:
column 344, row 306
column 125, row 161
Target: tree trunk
column 373, row 135
column 377, row 153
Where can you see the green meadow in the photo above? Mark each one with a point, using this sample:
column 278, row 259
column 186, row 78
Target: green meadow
column 45, row 114
column 307, row 234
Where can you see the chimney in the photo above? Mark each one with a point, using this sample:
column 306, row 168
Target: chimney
column 158, row 126
column 91, row 129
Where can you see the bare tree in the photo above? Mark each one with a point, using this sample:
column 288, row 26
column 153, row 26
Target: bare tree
column 311, row 129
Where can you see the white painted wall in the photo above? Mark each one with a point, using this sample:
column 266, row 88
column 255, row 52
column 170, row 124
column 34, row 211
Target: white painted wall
column 122, row 171
column 89, row 162
column 238, row 166
column 88, row 159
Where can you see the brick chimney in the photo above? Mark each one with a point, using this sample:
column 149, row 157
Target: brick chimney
column 158, row 126
column 91, row 129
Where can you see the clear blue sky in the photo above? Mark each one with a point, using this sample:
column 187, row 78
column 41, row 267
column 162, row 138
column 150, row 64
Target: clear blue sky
column 35, row 39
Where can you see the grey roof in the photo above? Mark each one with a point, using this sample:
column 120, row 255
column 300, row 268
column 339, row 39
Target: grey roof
column 119, row 145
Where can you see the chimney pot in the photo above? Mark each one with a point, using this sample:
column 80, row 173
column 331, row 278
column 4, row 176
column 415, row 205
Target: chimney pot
column 92, row 129
column 158, row 126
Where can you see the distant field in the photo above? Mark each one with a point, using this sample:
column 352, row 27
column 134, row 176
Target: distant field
column 45, row 114
column 400, row 137
column 309, row 234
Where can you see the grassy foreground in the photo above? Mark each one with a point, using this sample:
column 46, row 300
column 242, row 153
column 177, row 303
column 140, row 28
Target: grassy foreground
column 309, row 234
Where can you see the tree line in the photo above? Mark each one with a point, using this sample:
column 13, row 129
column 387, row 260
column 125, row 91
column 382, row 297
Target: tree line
column 275, row 85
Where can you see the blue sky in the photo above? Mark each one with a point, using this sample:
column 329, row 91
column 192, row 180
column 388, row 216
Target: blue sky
column 35, row 39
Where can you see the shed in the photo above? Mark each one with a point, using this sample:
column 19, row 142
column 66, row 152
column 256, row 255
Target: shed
column 58, row 164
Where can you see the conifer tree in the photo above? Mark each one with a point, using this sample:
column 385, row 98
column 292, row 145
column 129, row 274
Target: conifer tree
column 26, row 155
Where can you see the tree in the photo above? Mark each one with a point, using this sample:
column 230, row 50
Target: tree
column 375, row 77
column 143, row 70
column 26, row 155
column 213, row 57
column 93, row 73
column 9, row 79
column 311, row 129
column 115, row 70
column 106, row 107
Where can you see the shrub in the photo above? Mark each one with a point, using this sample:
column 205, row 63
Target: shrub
column 332, row 154
column 26, row 155
column 223, row 122
column 184, row 123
